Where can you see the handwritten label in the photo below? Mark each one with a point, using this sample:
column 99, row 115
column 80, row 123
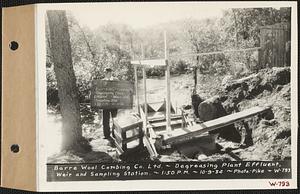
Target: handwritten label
column 112, row 94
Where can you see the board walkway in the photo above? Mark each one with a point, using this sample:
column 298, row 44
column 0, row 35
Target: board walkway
column 177, row 136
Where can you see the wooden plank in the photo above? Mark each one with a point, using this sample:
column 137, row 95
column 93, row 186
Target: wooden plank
column 215, row 52
column 145, row 97
column 133, row 126
column 152, row 133
column 150, row 62
column 142, row 114
column 120, row 150
column 128, row 126
column 162, row 124
column 118, row 137
column 132, row 138
column 150, row 147
column 124, row 145
column 117, row 128
column 137, row 103
column 162, row 118
column 198, row 129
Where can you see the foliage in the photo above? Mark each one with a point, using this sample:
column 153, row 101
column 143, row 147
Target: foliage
column 155, row 71
column 243, row 24
column 179, row 67
column 114, row 45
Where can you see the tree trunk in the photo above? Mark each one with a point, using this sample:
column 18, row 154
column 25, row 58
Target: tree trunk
column 235, row 29
column 66, row 82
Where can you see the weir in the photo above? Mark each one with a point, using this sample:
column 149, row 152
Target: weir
column 160, row 126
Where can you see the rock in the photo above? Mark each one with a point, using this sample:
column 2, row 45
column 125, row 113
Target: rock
column 196, row 100
column 212, row 108
column 202, row 157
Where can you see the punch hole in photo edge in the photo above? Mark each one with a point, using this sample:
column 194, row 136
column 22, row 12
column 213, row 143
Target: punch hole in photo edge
column 13, row 45
column 15, row 148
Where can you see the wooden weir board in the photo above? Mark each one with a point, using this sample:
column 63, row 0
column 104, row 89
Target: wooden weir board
column 164, row 123
column 147, row 141
column 198, row 129
column 163, row 118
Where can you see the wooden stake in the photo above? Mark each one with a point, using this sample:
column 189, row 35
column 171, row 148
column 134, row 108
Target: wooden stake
column 145, row 91
column 136, row 89
column 168, row 100
column 195, row 80
column 145, row 96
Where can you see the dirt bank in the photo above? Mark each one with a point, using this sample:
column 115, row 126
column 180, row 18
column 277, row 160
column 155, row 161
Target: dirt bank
column 271, row 133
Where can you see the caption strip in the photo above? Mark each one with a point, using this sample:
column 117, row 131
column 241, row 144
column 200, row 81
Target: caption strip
column 172, row 170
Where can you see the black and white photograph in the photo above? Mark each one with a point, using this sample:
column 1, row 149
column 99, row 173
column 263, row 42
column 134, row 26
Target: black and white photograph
column 169, row 91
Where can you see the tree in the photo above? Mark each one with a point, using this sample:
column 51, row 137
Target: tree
column 202, row 36
column 66, row 82
column 244, row 24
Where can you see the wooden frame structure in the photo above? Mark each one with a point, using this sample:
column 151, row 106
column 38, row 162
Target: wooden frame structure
column 151, row 63
column 190, row 129
column 165, row 62
column 121, row 137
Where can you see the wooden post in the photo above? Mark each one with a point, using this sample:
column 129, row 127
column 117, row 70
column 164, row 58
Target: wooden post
column 124, row 144
column 137, row 103
column 145, row 93
column 145, row 97
column 100, row 117
column 136, row 89
column 168, row 97
column 195, row 78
